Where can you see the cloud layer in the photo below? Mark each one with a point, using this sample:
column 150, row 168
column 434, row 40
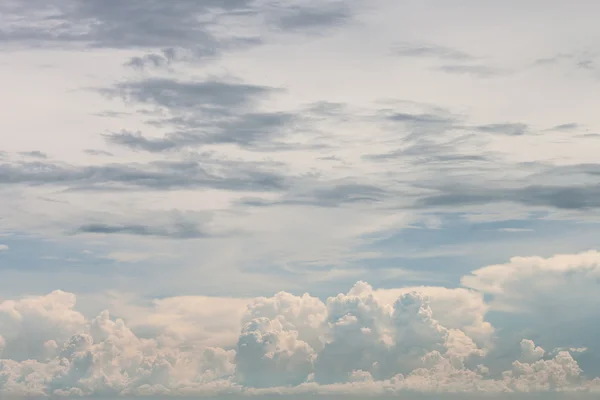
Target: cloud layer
column 156, row 150
column 385, row 341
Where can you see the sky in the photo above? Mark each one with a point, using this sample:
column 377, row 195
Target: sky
column 300, row 198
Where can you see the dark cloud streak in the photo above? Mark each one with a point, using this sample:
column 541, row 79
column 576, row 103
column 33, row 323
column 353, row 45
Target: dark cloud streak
column 511, row 129
column 181, row 230
column 152, row 176
column 583, row 197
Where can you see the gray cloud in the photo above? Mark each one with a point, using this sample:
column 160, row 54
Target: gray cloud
column 34, row 154
column 213, row 96
column 135, row 141
column 94, row 152
column 566, row 127
column 568, row 187
column 171, row 225
column 307, row 18
column 420, row 118
column 431, row 154
column 118, row 24
column 155, row 24
column 560, row 197
column 426, row 138
column 250, row 130
column 512, row 129
column 553, row 59
column 150, row 60
column 179, row 230
column 335, row 195
column 155, row 175
column 582, row 60
column 446, row 54
column 207, row 112
column 479, row 71
column 430, row 50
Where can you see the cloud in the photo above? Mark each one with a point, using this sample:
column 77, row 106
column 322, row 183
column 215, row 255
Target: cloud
column 570, row 187
column 3, row 247
column 179, row 231
column 433, row 51
column 334, row 194
column 133, row 257
column 170, row 225
column 530, row 352
column 419, row 150
column 420, row 118
column 566, row 127
column 308, row 17
column 364, row 341
column 131, row 25
column 252, row 130
column 93, row 152
column 515, row 230
column 479, row 71
column 580, row 59
column 187, row 31
column 581, row 197
column 446, row 54
column 556, row 299
column 34, row 154
column 177, row 95
column 205, row 113
column 512, row 129
column 155, row 175
column 302, row 174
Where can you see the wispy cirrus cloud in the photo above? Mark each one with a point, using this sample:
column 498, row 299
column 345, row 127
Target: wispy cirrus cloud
column 430, row 50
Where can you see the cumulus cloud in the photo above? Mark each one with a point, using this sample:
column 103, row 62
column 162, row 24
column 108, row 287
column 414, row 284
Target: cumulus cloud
column 363, row 341
column 554, row 299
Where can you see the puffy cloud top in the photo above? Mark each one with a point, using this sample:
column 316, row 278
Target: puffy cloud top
column 363, row 341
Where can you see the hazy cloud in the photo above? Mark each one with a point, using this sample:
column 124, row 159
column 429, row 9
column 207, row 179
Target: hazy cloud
column 34, row 154
column 420, row 118
column 335, row 195
column 94, row 152
column 512, row 129
column 566, row 127
column 430, row 50
column 479, row 71
column 320, row 15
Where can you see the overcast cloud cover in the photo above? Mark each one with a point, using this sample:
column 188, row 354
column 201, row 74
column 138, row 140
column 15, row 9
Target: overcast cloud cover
column 298, row 199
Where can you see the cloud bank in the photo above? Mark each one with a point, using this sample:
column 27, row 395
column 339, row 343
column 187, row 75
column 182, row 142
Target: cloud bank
column 365, row 341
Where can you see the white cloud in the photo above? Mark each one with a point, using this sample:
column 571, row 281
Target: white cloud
column 364, row 341
column 555, row 300
column 3, row 247
column 557, row 290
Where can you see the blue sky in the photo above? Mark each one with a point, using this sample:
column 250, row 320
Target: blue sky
column 305, row 197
